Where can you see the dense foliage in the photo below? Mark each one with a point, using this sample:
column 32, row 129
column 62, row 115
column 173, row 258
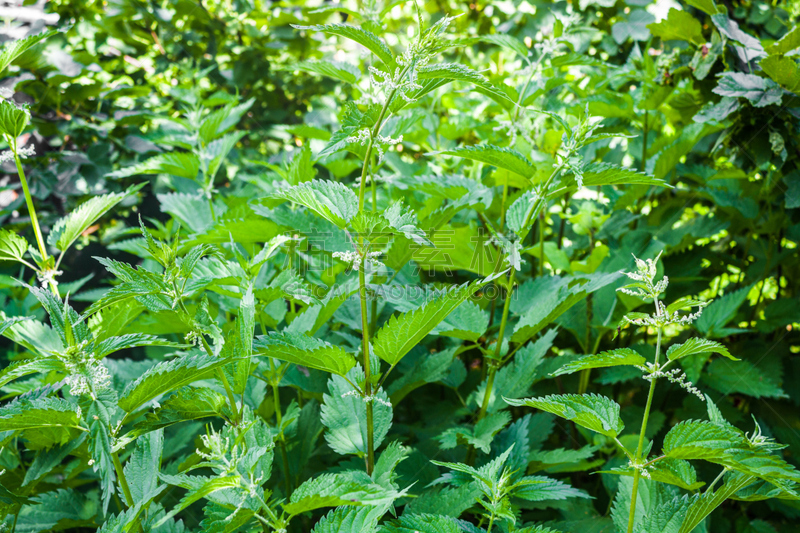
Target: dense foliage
column 440, row 267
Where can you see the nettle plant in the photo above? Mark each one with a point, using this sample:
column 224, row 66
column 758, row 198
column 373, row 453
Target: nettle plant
column 275, row 306
column 648, row 499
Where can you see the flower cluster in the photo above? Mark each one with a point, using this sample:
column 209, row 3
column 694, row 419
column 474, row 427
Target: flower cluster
column 676, row 375
column 86, row 374
column 644, row 285
column 364, row 135
column 219, row 449
column 47, row 277
column 367, row 399
column 24, row 153
column 357, row 260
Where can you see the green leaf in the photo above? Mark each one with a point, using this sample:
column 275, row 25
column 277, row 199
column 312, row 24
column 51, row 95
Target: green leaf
column 549, row 298
column 480, row 436
column 69, row 228
column 742, row 377
column 784, row 71
column 696, row 346
column 367, row 39
column 422, row 523
column 525, row 208
column 131, row 340
column 13, row 49
column 361, row 519
column 198, row 487
column 508, row 42
column 304, row 351
column 618, row 357
column 719, row 312
column 13, row 119
column 12, row 246
column 468, row 322
column 142, row 468
column 330, row 200
column 344, row 413
column 333, row 69
column 181, row 164
column 597, row 174
column 401, row 333
column 505, row 158
column 100, row 450
column 787, row 43
column 186, row 404
column 698, row 439
column 168, row 376
column 24, row 368
column 702, row 505
column 331, row 490
column 591, row 411
column 706, row 6
column 454, row 72
column 678, row 26
column 760, row 91
column 45, row 421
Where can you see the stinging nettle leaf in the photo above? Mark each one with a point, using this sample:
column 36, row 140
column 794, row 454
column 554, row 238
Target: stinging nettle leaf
column 401, row 333
column 306, row 351
column 365, row 38
column 166, row 377
column 618, row 357
column 594, row 412
column 67, row 230
column 697, row 346
column 330, row 200
column 505, row 158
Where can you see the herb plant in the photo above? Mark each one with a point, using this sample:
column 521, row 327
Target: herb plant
column 290, row 267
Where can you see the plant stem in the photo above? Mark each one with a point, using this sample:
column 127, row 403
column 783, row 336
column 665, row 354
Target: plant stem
column 370, row 457
column 491, row 524
column 362, row 285
column 224, row 379
column 640, row 446
column 644, row 143
column 276, row 398
column 122, row 480
column 34, row 219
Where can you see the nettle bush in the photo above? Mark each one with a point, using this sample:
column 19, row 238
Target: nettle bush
column 433, row 302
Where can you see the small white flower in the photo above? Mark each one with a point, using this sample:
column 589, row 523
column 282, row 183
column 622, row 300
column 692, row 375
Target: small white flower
column 356, row 260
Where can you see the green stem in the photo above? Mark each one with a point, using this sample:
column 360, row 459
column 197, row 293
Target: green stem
column 640, row 446
column 224, row 379
column 370, row 457
column 276, row 398
column 491, row 524
column 122, row 480
column 34, row 219
column 644, row 143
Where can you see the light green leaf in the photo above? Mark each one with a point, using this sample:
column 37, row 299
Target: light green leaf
column 166, row 377
column 678, row 26
column 13, row 49
column 361, row 519
column 13, row 119
column 784, row 71
column 525, row 208
column 367, row 39
column 505, row 158
column 68, row 229
column 344, row 413
column 597, row 174
column 760, row 91
column 698, row 439
column 24, row 368
column 182, row 164
column 401, row 333
column 618, row 357
column 455, row 72
column 422, row 523
column 330, row 200
column 12, row 246
column 198, row 487
column 594, row 412
column 304, row 351
column 333, row 69
column 702, row 505
column 696, row 346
